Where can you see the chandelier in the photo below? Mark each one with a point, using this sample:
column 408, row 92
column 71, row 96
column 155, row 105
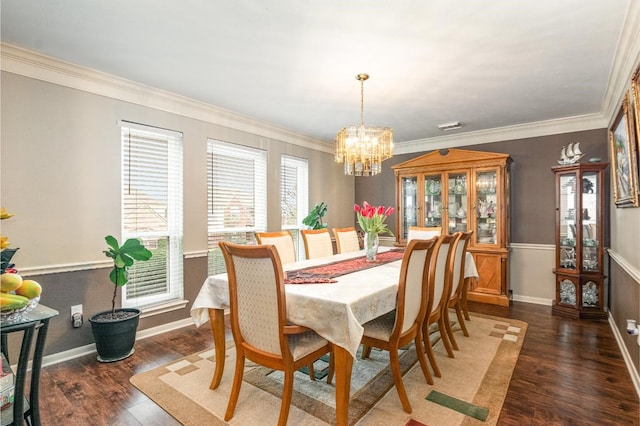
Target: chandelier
column 362, row 148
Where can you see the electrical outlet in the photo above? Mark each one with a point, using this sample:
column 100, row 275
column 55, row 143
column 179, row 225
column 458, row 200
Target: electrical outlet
column 76, row 320
column 76, row 316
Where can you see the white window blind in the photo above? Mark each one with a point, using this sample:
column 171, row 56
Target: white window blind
column 237, row 196
column 294, row 197
column 152, row 211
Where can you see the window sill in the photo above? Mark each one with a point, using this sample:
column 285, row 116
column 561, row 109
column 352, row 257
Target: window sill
column 175, row 305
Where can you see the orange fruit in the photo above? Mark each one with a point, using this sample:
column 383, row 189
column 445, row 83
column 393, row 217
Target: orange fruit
column 10, row 282
column 29, row 289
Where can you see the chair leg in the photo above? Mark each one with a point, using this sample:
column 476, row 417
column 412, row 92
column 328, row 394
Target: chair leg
column 311, row 371
column 366, row 352
column 332, row 368
column 287, row 393
column 463, row 326
column 394, row 361
column 427, row 347
column 467, row 285
column 235, row 389
column 422, row 358
column 445, row 337
column 450, row 335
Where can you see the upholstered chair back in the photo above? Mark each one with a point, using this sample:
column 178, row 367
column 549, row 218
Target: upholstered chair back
column 346, row 239
column 283, row 241
column 443, row 260
column 414, row 284
column 423, row 233
column 255, row 286
column 317, row 243
column 458, row 263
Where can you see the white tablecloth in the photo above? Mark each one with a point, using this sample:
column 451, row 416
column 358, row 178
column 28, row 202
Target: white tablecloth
column 470, row 270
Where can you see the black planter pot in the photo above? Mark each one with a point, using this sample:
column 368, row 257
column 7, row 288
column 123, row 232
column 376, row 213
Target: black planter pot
column 115, row 337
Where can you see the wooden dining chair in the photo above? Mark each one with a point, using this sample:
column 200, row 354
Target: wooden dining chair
column 346, row 239
column 283, row 242
column 423, row 232
column 399, row 327
column 442, row 261
column 457, row 285
column 317, row 243
column 259, row 323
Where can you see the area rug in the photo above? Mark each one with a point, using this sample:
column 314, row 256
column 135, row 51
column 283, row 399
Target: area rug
column 471, row 390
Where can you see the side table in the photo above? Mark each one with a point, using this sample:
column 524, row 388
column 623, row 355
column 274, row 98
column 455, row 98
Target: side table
column 32, row 324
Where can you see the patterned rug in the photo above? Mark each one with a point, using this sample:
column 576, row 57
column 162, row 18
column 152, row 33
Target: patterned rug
column 473, row 385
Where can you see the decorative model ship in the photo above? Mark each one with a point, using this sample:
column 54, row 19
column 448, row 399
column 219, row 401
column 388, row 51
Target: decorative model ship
column 571, row 154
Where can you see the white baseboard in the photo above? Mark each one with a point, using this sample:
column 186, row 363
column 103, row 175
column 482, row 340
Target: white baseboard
column 534, row 300
column 635, row 378
column 91, row 349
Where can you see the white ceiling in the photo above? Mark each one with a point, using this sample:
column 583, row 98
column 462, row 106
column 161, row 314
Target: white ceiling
column 488, row 64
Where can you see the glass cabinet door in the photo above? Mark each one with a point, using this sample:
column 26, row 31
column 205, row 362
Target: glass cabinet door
column 567, row 221
column 409, row 202
column 433, row 201
column 486, row 204
column 458, row 202
column 590, row 222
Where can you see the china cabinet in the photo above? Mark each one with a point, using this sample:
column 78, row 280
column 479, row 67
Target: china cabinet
column 461, row 190
column 579, row 266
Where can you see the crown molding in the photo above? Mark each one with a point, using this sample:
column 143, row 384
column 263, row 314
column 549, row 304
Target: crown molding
column 624, row 62
column 30, row 64
column 519, row 131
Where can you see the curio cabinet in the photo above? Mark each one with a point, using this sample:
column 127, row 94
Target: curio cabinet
column 580, row 213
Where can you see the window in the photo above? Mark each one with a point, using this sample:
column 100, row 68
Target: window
column 152, row 212
column 237, row 197
column 294, row 196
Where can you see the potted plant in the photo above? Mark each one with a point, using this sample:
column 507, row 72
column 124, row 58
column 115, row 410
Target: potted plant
column 314, row 218
column 114, row 331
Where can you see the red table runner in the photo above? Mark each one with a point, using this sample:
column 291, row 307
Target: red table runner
column 326, row 273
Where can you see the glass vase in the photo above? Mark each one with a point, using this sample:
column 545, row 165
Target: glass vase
column 371, row 242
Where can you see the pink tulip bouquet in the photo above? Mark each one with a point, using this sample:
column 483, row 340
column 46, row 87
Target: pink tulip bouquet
column 372, row 219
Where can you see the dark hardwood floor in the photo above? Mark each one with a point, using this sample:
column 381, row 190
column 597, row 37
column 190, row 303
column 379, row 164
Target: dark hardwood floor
column 570, row 372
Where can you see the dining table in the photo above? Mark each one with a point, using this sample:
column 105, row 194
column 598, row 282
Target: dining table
column 335, row 308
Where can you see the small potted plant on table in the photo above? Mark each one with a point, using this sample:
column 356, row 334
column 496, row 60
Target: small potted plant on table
column 114, row 331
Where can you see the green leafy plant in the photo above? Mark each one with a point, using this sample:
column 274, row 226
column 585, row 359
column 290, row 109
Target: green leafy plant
column 314, row 218
column 123, row 257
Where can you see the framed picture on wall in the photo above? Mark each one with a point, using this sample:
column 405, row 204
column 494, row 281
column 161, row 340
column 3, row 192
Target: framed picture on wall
column 623, row 157
column 635, row 91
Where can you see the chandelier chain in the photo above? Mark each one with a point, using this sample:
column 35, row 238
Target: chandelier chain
column 362, row 102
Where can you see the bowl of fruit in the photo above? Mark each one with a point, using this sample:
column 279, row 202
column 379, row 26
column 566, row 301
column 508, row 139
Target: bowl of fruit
column 17, row 297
